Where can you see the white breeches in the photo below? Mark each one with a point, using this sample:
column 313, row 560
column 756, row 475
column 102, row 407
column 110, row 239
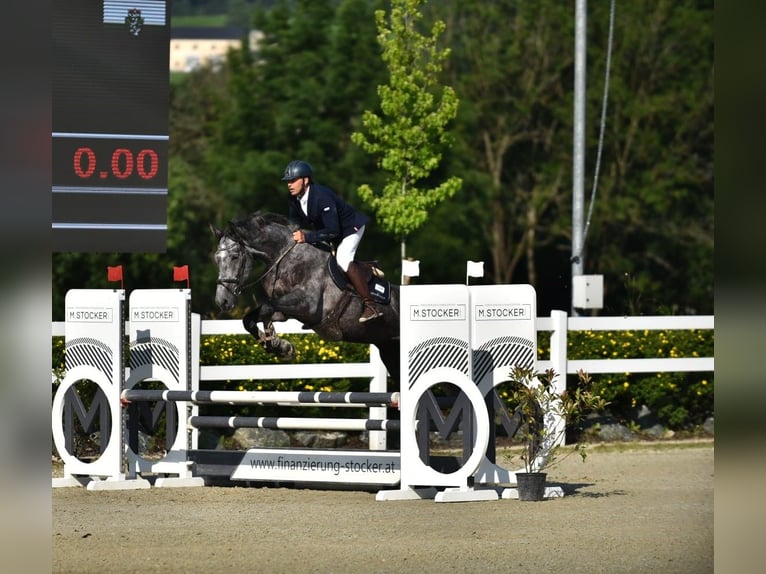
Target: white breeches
column 346, row 250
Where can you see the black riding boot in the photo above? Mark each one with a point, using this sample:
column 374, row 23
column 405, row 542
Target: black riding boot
column 355, row 274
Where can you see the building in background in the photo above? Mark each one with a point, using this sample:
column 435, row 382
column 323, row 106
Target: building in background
column 191, row 48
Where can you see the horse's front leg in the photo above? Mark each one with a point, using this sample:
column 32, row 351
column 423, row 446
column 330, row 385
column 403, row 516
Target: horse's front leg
column 268, row 338
column 273, row 344
column 250, row 322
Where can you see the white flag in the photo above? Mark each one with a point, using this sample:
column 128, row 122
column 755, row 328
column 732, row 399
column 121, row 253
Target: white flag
column 475, row 269
column 410, row 268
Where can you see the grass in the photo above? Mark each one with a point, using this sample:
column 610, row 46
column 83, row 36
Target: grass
column 628, row 446
column 606, row 447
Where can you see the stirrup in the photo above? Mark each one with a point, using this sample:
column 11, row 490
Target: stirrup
column 369, row 307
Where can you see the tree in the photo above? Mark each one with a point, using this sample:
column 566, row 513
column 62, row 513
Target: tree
column 510, row 66
column 233, row 128
column 295, row 97
column 652, row 229
column 652, row 225
column 409, row 133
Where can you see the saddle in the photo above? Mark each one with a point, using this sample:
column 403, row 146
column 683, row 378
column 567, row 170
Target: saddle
column 380, row 287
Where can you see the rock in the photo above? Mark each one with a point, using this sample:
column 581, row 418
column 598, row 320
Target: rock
column 258, row 438
column 305, row 438
column 330, row 440
column 655, row 431
column 645, row 419
column 605, row 427
column 614, row 432
column 321, row 439
column 707, row 426
column 454, row 440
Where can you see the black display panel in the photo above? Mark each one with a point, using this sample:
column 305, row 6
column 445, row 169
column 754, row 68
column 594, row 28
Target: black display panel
column 110, row 98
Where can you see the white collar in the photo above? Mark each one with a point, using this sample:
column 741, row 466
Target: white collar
column 304, row 200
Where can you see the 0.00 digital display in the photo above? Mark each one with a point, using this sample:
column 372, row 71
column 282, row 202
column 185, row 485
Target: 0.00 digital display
column 109, row 162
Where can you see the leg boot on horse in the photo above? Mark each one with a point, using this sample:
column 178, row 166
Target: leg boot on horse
column 356, row 275
column 268, row 339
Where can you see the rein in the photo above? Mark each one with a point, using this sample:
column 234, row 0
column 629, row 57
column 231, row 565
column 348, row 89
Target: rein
column 237, row 282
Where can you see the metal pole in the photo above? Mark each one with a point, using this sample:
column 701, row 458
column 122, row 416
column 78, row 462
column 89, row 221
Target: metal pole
column 578, row 167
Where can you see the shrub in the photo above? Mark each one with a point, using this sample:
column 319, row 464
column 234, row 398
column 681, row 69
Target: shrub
column 679, row 400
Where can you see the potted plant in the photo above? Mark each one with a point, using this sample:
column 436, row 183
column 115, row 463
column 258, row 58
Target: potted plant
column 544, row 411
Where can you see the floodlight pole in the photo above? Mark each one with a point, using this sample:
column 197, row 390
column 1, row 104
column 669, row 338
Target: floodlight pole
column 578, row 167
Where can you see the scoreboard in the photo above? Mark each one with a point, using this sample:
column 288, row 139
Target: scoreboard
column 110, row 100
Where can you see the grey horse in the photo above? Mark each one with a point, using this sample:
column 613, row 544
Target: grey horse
column 296, row 284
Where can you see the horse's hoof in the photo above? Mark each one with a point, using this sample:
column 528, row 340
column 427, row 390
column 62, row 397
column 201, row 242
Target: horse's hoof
column 287, row 351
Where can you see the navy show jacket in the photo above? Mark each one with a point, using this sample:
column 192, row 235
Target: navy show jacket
column 331, row 218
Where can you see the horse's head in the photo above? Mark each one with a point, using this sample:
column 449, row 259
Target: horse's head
column 263, row 236
column 234, row 266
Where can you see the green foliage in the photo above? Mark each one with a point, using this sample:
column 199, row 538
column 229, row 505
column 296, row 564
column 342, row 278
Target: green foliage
column 410, row 132
column 511, row 68
column 244, row 350
column 57, row 358
column 531, row 396
column 310, row 348
column 658, row 158
column 303, row 93
column 680, row 401
column 200, row 21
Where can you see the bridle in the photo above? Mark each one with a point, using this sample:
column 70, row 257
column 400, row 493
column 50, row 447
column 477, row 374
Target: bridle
column 236, row 285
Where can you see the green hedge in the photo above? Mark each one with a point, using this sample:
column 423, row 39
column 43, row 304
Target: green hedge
column 679, row 400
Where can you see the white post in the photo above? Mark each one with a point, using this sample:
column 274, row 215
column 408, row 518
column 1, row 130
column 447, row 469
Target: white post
column 559, row 355
column 378, row 383
column 196, row 330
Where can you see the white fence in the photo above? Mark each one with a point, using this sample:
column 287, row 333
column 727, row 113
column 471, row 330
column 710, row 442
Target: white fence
column 558, row 324
column 373, row 369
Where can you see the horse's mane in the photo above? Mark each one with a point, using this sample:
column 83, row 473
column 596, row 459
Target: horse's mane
column 269, row 218
column 274, row 218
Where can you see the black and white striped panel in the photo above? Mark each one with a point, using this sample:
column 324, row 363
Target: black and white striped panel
column 502, row 351
column 155, row 351
column 91, row 352
column 437, row 352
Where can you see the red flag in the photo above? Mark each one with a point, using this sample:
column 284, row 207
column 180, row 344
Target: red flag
column 181, row 274
column 114, row 274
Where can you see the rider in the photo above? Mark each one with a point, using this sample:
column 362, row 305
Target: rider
column 334, row 221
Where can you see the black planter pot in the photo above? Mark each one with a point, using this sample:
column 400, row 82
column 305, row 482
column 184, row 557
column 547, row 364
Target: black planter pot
column 531, row 485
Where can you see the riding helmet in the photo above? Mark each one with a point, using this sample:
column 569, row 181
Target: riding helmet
column 296, row 169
